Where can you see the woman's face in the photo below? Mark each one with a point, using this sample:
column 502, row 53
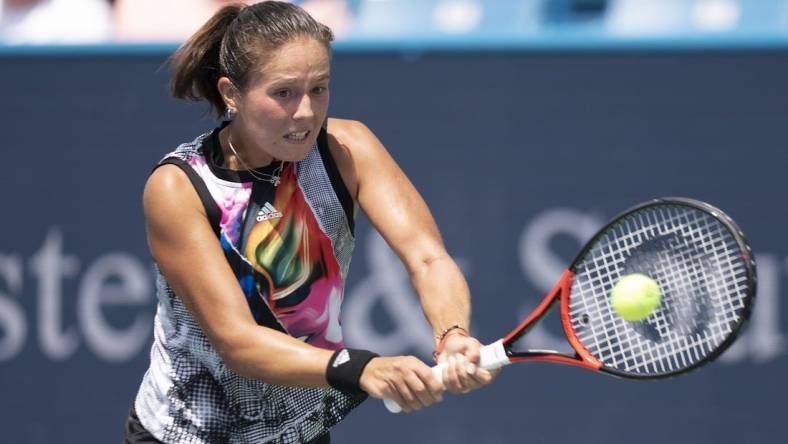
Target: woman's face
column 280, row 112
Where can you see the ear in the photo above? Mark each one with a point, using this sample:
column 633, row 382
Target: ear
column 229, row 92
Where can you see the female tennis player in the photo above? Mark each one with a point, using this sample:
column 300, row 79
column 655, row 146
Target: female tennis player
column 251, row 228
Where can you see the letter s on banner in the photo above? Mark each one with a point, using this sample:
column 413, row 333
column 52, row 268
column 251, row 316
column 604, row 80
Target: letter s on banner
column 542, row 266
column 12, row 317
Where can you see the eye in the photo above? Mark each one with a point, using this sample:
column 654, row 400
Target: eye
column 282, row 93
column 318, row 90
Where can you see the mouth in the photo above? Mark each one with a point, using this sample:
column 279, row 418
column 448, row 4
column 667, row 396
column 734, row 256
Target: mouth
column 297, row 136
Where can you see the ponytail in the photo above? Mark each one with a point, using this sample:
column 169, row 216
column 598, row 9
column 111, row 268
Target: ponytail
column 196, row 66
column 232, row 44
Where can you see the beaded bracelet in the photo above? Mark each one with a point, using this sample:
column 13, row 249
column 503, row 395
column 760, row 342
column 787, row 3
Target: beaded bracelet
column 441, row 338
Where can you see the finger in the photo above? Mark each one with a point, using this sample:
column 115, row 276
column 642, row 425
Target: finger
column 403, row 405
column 431, row 381
column 393, row 394
column 409, row 401
column 445, row 375
column 434, row 382
column 452, row 378
column 471, row 368
column 483, row 377
column 472, row 353
column 419, row 388
column 465, row 379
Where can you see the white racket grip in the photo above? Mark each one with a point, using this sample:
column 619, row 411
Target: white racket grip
column 491, row 357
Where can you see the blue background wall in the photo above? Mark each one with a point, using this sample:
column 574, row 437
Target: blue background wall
column 521, row 156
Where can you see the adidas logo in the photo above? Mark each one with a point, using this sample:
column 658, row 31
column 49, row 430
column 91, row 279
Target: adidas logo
column 342, row 357
column 268, row 212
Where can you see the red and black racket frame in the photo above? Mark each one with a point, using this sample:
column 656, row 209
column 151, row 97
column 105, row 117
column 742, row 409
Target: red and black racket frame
column 561, row 294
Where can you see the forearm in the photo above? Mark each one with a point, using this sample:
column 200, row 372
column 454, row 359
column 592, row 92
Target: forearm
column 443, row 293
column 268, row 355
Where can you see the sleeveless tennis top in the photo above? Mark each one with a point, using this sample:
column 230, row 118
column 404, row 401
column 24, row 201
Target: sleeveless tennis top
column 289, row 247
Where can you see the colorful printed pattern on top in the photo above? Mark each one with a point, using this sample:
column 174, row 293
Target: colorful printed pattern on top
column 283, row 259
column 292, row 265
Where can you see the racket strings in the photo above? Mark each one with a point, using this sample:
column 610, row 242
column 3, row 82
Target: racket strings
column 698, row 265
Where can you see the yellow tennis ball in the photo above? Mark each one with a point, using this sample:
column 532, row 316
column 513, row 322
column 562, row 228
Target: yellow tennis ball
column 635, row 296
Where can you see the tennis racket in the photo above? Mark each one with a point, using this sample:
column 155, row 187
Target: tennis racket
column 706, row 273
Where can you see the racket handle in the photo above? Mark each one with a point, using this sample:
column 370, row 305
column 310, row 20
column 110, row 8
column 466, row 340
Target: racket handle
column 491, row 357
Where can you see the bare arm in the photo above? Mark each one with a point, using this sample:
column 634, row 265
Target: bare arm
column 401, row 216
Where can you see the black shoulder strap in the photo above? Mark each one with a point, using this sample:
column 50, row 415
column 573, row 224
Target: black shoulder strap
column 340, row 189
column 211, row 208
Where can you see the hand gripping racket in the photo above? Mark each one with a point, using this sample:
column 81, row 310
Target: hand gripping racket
column 706, row 273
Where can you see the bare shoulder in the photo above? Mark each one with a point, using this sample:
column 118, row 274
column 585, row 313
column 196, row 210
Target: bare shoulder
column 347, row 130
column 168, row 190
column 350, row 143
column 352, row 135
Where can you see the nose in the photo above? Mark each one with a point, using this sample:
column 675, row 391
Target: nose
column 304, row 108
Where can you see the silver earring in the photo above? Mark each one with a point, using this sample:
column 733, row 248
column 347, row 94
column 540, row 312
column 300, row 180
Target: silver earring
column 229, row 114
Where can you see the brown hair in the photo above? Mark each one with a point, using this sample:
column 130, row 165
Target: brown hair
column 232, row 43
